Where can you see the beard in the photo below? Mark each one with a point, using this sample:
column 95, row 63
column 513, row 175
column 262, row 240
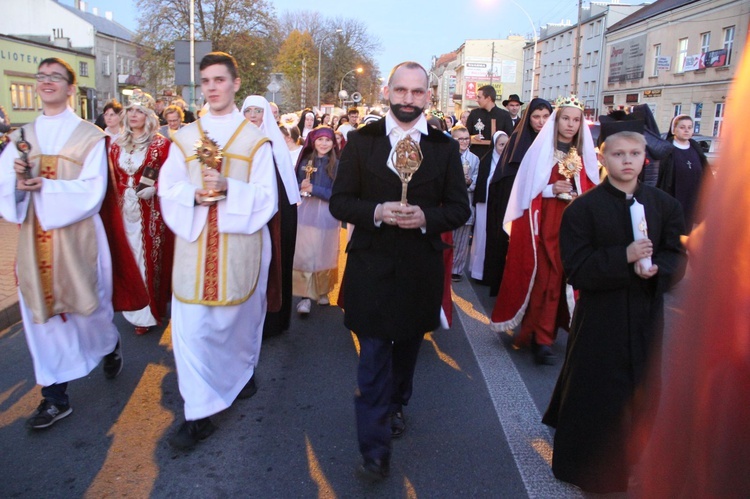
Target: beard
column 406, row 116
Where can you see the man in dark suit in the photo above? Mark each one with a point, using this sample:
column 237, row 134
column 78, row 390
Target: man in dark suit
column 393, row 282
column 485, row 120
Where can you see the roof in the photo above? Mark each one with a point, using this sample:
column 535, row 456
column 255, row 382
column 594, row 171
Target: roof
column 654, row 9
column 102, row 24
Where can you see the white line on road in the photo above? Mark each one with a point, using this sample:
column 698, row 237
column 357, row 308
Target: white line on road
column 529, row 440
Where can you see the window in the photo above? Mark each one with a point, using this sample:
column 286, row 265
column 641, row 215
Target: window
column 83, row 68
column 567, row 65
column 697, row 110
column 718, row 118
column 593, row 88
column 120, row 68
column 22, row 96
column 570, row 38
column 598, row 27
column 588, row 60
column 106, row 71
column 595, row 58
column 682, row 48
column 565, row 91
column 705, row 42
column 728, row 43
column 591, row 30
column 677, row 109
column 657, row 54
column 585, row 88
column 559, row 66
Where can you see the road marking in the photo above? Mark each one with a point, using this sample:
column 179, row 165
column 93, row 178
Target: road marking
column 131, row 463
column 316, row 473
column 529, row 440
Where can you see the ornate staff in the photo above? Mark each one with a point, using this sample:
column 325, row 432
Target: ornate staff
column 569, row 166
column 24, row 148
column 309, row 170
column 406, row 158
column 209, row 155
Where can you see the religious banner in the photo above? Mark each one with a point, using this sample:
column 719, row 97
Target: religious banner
column 692, row 63
column 664, row 63
column 714, row 59
column 627, row 60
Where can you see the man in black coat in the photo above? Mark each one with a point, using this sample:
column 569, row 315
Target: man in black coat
column 393, row 282
column 481, row 120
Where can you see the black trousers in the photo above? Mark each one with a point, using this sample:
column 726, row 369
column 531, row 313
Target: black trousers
column 384, row 384
column 56, row 393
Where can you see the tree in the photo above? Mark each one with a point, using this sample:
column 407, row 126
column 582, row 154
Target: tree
column 297, row 49
column 243, row 28
column 341, row 52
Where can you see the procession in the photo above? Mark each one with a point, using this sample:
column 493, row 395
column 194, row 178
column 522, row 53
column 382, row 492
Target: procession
column 370, row 294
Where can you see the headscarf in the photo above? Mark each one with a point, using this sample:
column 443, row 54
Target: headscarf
column 495, row 156
column 673, row 124
column 281, row 158
column 523, row 135
column 301, row 123
column 486, row 164
column 534, row 171
column 309, row 147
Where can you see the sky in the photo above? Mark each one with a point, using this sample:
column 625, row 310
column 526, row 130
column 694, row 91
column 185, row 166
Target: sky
column 410, row 30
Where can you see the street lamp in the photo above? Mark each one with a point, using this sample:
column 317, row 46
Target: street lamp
column 341, row 86
column 320, row 58
column 536, row 38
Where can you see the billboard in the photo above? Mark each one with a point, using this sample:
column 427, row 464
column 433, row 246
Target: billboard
column 627, row 60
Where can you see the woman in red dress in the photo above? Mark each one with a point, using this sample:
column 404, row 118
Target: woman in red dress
column 135, row 160
column 533, row 293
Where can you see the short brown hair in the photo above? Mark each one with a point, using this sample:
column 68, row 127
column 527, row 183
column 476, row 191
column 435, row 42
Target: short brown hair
column 213, row 58
column 68, row 69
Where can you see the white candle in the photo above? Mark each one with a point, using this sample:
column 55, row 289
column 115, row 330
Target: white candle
column 640, row 229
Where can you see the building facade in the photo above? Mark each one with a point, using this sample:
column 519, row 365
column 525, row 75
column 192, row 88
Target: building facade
column 116, row 68
column 443, row 82
column 488, row 62
column 550, row 64
column 20, row 58
column 679, row 57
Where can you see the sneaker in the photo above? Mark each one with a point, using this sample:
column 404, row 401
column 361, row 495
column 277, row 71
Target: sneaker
column 48, row 414
column 324, row 300
column 192, row 432
column 303, row 307
column 373, row 470
column 398, row 424
column 113, row 362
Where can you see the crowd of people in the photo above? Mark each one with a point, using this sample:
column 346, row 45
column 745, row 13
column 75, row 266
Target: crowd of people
column 566, row 232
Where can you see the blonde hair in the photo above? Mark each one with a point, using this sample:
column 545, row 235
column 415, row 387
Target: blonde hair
column 624, row 135
column 127, row 139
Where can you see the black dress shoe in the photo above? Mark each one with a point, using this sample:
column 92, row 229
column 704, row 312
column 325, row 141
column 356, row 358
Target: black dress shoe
column 373, row 470
column 455, row 277
column 249, row 389
column 543, row 355
column 398, row 424
column 192, row 432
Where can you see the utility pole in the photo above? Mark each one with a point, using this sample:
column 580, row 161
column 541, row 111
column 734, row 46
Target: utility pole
column 303, row 84
column 492, row 63
column 577, row 57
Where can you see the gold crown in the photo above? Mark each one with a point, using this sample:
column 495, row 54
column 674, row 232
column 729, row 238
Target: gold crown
column 142, row 99
column 571, row 101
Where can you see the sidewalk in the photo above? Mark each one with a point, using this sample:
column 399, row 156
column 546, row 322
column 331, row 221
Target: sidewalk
column 9, row 311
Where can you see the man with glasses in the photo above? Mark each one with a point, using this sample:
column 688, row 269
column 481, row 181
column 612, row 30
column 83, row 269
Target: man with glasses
column 394, row 276
column 64, row 268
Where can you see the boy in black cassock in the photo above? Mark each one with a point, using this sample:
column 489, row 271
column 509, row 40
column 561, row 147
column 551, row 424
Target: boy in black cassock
column 616, row 326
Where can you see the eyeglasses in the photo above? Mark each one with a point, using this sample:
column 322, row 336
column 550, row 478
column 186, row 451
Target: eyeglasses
column 464, row 139
column 401, row 92
column 54, row 77
column 253, row 110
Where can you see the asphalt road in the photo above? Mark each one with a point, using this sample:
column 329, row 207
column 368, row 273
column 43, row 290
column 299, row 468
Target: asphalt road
column 473, row 430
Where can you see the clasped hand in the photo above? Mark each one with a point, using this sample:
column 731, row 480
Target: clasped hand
column 636, row 250
column 403, row 216
column 213, row 182
column 23, row 183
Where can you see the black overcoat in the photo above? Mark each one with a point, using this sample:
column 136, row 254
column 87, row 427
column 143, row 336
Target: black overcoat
column 393, row 281
column 615, row 329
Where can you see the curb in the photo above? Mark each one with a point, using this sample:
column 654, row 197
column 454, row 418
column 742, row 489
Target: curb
column 10, row 315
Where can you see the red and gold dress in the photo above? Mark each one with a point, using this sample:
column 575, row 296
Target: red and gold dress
column 150, row 240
